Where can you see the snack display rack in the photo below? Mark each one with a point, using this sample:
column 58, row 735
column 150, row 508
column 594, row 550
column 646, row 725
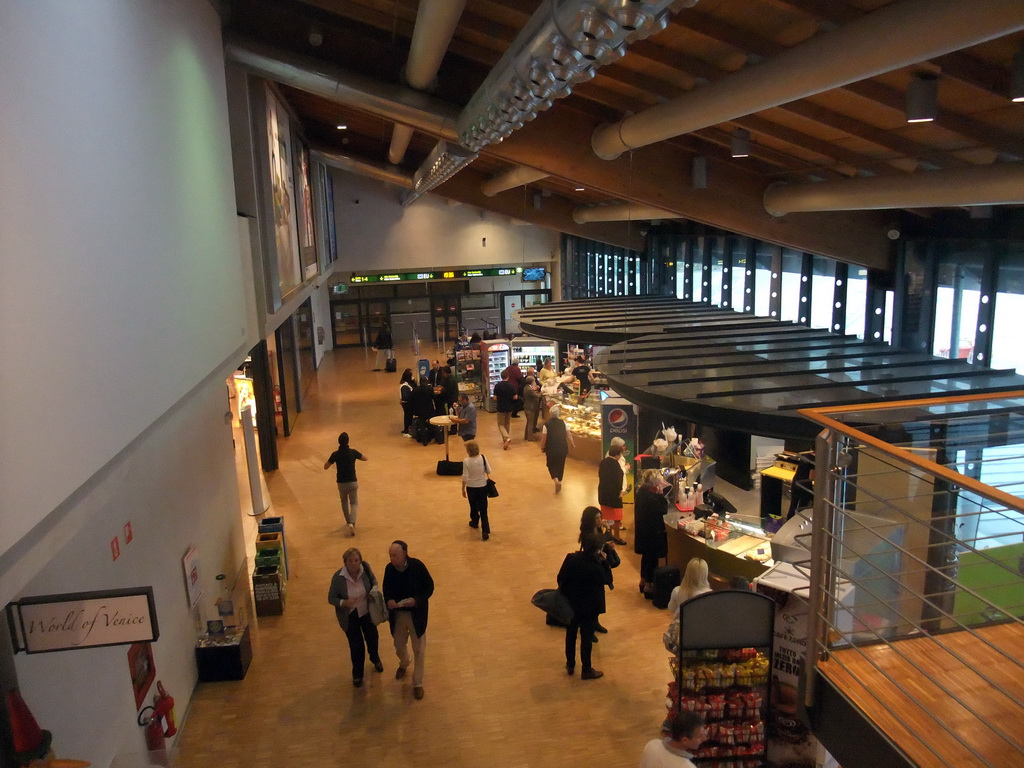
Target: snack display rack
column 721, row 669
column 467, row 372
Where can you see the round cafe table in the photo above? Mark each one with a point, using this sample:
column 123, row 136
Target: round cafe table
column 443, row 422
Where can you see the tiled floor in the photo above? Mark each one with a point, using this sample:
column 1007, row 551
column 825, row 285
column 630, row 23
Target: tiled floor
column 496, row 689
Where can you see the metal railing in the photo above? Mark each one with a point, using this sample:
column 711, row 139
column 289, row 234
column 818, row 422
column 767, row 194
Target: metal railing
column 919, row 535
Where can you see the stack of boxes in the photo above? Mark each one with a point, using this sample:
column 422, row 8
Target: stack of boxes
column 271, row 574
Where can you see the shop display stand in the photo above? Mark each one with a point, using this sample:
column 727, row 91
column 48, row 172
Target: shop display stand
column 467, row 372
column 722, row 670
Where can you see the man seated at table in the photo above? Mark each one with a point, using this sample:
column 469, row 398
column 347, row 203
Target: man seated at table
column 465, row 418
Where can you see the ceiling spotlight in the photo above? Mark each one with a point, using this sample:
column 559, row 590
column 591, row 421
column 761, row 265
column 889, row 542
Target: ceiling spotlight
column 922, row 98
column 1017, row 78
column 739, row 145
column 316, row 36
column 342, row 127
column 581, row 189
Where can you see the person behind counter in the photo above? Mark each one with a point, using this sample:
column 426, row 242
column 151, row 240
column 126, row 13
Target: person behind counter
column 695, row 582
column 649, row 538
column 582, row 374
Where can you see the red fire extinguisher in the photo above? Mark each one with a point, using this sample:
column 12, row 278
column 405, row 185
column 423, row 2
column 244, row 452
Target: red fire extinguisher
column 155, row 741
column 163, row 706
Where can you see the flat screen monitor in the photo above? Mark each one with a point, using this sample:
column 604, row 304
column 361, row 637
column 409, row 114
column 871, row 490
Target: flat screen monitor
column 534, row 274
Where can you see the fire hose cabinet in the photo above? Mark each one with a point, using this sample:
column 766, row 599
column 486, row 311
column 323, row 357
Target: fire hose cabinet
column 268, row 590
column 224, row 656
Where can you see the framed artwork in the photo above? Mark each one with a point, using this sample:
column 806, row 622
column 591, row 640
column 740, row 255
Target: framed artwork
column 193, row 584
column 142, row 670
column 307, row 234
column 286, row 240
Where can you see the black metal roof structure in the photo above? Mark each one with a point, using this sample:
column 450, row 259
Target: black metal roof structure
column 728, row 369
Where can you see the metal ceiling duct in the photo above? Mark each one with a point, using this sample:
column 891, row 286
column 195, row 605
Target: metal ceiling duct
column 562, row 44
column 894, row 36
column 621, row 212
column 517, row 177
column 1001, row 184
column 370, row 170
column 435, row 24
column 398, row 104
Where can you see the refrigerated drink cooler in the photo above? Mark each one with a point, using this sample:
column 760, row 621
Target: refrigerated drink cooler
column 495, row 358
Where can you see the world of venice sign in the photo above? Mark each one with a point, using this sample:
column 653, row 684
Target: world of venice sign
column 83, row 620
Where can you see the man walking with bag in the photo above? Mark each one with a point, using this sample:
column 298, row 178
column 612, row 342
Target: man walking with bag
column 407, row 590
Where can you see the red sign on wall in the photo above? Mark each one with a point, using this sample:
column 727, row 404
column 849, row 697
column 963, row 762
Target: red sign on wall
column 115, row 548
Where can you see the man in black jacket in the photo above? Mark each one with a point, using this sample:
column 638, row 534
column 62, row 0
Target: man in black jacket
column 582, row 579
column 422, row 400
column 407, row 590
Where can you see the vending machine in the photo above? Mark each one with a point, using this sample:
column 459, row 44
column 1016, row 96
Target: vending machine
column 495, row 358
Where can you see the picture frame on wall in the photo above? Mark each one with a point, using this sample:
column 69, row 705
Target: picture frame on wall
column 304, row 203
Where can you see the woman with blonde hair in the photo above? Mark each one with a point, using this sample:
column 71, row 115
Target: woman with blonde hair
column 695, row 582
column 649, row 539
column 349, row 594
column 476, row 471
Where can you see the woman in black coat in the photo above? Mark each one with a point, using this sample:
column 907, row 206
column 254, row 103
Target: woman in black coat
column 649, row 538
column 582, row 579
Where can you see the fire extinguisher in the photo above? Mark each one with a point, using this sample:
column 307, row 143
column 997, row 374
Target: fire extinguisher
column 163, row 706
column 155, row 741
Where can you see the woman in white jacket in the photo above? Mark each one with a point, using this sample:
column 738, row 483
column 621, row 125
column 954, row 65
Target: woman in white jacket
column 695, row 582
column 476, row 471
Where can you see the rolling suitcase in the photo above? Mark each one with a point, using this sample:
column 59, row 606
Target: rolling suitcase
column 666, row 578
column 452, row 468
column 391, row 365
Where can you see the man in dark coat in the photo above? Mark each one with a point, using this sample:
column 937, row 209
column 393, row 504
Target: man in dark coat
column 407, row 590
column 582, row 579
column 384, row 345
column 423, row 409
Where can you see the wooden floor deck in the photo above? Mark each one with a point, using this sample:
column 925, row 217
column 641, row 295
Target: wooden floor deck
column 939, row 710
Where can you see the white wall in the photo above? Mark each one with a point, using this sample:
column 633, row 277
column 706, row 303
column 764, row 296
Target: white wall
column 177, row 487
column 120, row 283
column 379, row 234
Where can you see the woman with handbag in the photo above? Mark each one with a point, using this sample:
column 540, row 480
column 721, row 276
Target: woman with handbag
column 476, row 475
column 649, row 538
column 359, row 605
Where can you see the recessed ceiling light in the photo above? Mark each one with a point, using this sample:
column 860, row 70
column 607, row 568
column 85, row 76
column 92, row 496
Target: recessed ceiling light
column 342, row 127
column 580, row 189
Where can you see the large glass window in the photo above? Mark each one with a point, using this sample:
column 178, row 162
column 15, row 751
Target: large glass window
column 1007, row 351
column 697, row 271
column 717, row 261
column 792, row 263
column 763, row 280
column 823, row 291
column 856, row 300
column 956, row 303
column 739, row 275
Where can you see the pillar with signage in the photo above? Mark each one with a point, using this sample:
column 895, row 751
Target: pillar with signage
column 619, row 419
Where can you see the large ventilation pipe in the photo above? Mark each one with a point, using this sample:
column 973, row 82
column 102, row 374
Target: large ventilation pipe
column 895, row 36
column 395, row 103
column 517, row 177
column 363, row 168
column 621, row 212
column 435, row 24
column 982, row 185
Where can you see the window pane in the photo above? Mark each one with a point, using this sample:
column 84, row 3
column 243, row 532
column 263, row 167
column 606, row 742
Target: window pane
column 956, row 303
column 717, row 259
column 856, row 300
column 739, row 274
column 823, row 291
column 792, row 264
column 1007, row 351
column 764, row 279
column 696, row 276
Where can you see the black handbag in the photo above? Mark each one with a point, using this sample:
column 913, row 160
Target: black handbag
column 492, row 489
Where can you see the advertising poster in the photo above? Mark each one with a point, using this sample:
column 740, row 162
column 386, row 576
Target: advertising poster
column 286, row 238
column 618, row 419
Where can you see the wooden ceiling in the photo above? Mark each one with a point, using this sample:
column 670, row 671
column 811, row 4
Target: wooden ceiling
column 856, row 130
